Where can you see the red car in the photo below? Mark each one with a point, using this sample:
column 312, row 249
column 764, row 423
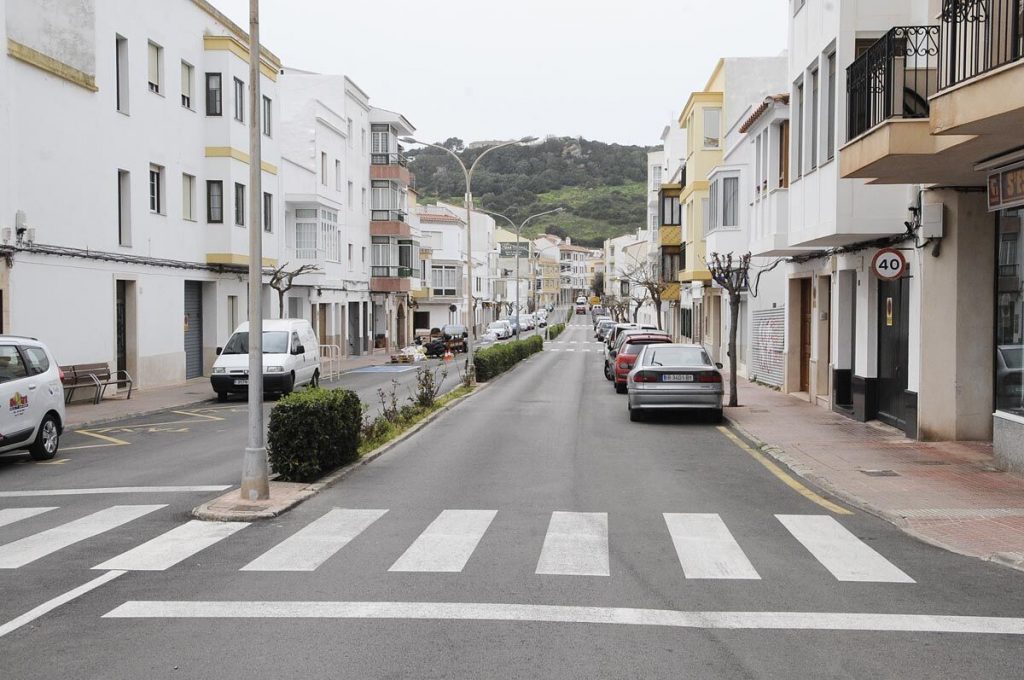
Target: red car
column 627, row 353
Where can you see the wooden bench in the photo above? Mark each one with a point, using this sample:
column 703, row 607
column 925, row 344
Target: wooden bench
column 98, row 376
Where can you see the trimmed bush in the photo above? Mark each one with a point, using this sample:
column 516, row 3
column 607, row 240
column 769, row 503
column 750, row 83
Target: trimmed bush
column 313, row 432
column 556, row 330
column 497, row 359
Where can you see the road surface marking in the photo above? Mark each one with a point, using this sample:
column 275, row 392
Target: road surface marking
column 49, row 606
column 12, row 515
column 576, row 544
column 312, row 545
column 196, row 414
column 571, row 349
column 447, row 544
column 110, row 441
column 555, row 349
column 168, row 549
column 783, row 476
column 839, row 551
column 706, row 547
column 484, row 611
column 112, row 489
column 31, row 548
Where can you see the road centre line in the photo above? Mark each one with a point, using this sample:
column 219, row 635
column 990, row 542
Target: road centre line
column 783, row 476
column 113, row 490
column 50, row 605
column 474, row 611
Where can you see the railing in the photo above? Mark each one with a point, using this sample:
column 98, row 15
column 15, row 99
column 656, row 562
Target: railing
column 309, row 253
column 388, row 159
column 330, row 362
column 978, row 36
column 394, row 272
column 387, row 215
column 893, row 78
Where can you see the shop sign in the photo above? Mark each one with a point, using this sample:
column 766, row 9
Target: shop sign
column 509, row 248
column 889, row 264
column 1006, row 188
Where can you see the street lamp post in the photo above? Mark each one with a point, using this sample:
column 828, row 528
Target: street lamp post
column 468, row 173
column 519, row 229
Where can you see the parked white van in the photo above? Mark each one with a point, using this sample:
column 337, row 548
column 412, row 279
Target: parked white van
column 291, row 357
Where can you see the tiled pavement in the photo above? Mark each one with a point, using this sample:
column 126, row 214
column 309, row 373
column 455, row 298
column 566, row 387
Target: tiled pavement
column 946, row 493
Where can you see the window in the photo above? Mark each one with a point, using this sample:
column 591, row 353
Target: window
column 37, row 360
column 757, row 169
column 364, row 254
column 712, row 128
column 188, row 197
column 214, row 201
column 713, row 220
column 232, row 313
column 348, row 133
column 186, row 85
column 121, row 73
column 156, row 189
column 1009, row 331
column 239, row 100
column 323, row 168
column 379, row 139
column 670, row 212
column 364, row 199
column 268, row 116
column 362, row 140
column 239, row 204
column 305, row 236
column 213, row 94
column 784, row 155
column 337, row 175
column 443, row 280
column 11, row 365
column 706, row 214
column 124, row 208
column 730, row 201
column 330, row 241
column 351, row 195
column 814, row 119
column 268, row 212
column 670, row 263
column 350, row 249
column 156, row 67
column 830, row 109
column 655, row 177
column 798, row 130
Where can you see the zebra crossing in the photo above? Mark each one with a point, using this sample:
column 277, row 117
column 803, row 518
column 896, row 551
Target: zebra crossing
column 575, row 543
column 574, row 346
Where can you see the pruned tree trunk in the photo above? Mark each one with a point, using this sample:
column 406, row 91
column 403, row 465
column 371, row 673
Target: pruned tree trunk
column 734, row 318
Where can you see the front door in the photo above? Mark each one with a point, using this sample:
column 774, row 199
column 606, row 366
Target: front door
column 122, row 327
column 893, row 350
column 353, row 329
column 321, row 324
column 193, row 329
column 805, row 335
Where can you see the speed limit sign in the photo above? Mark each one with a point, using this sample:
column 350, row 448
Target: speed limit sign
column 889, row 264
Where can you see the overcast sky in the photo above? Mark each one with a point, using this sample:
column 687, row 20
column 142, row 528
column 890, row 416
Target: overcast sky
column 610, row 70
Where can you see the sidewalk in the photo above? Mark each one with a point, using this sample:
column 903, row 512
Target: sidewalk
column 176, row 396
column 948, row 494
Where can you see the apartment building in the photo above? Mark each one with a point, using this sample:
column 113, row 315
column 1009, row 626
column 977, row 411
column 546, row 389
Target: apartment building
column 442, row 300
column 621, row 267
column 147, row 112
column 666, row 252
column 517, row 274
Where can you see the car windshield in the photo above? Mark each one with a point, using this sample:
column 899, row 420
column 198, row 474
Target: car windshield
column 676, row 356
column 274, row 342
column 1013, row 355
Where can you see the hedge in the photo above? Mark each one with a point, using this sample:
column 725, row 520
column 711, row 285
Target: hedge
column 555, row 331
column 313, row 432
column 497, row 359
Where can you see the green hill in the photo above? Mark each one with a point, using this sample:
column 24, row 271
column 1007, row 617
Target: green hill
column 601, row 186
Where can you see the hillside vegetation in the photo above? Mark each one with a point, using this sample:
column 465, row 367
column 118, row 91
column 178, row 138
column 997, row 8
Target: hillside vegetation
column 601, row 186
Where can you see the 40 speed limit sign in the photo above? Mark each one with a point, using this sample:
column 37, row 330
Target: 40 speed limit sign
column 889, row 264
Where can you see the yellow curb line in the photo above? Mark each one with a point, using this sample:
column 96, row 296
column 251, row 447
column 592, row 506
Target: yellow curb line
column 781, row 474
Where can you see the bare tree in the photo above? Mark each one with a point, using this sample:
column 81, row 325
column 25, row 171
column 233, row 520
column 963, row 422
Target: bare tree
column 283, row 280
column 647, row 275
column 732, row 274
column 639, row 297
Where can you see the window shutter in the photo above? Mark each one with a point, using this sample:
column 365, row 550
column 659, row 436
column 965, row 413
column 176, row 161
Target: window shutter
column 154, row 64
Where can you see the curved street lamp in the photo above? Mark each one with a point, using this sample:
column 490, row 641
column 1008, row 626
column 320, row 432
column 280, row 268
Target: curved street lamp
column 468, row 173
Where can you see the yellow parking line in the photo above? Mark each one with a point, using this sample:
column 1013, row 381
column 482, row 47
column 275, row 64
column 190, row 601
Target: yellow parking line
column 111, row 441
column 783, row 476
column 197, row 415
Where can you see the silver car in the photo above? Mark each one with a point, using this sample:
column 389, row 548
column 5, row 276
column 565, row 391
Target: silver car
column 674, row 376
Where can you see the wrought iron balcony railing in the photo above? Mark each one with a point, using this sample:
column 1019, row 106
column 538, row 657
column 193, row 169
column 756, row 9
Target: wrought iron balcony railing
column 893, row 78
column 388, row 159
column 978, row 36
column 394, row 272
column 387, row 215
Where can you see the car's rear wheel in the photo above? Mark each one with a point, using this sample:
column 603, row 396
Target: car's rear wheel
column 620, row 388
column 47, row 439
column 635, row 415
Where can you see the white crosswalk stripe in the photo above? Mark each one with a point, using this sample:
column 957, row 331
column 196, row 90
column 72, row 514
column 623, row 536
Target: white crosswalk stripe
column 174, row 546
column 12, row 515
column 447, row 544
column 839, row 551
column 576, row 544
column 31, row 548
column 706, row 548
column 312, row 545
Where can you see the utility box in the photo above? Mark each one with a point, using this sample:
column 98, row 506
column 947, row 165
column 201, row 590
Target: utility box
column 932, row 220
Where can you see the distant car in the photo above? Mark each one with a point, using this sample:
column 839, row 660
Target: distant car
column 603, row 327
column 627, row 353
column 620, row 338
column 596, row 311
column 1010, row 376
column 599, row 319
column 501, row 329
column 619, row 327
column 32, row 396
column 674, row 376
column 581, row 300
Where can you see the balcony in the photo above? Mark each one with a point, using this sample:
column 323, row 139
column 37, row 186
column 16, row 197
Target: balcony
column 389, row 166
column 389, row 223
column 387, row 279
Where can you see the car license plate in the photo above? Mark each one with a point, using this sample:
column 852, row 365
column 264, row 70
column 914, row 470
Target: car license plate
column 241, row 382
column 677, row 377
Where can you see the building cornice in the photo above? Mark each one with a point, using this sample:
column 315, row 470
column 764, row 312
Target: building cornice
column 238, row 32
column 50, row 65
column 228, row 43
column 238, row 155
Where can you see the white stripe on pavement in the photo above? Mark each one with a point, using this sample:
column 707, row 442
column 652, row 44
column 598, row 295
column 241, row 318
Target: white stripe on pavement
column 31, row 548
column 447, row 544
column 839, row 551
column 12, row 515
column 706, row 547
column 576, row 544
column 50, row 605
column 312, row 545
column 112, row 489
column 484, row 611
column 172, row 547
column 571, row 349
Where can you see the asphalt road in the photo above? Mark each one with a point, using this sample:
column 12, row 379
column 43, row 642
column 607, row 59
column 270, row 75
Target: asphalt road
column 531, row 532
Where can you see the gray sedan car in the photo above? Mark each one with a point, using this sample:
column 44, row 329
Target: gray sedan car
column 674, row 376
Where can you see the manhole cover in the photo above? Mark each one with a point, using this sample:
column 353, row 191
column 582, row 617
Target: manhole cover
column 880, row 473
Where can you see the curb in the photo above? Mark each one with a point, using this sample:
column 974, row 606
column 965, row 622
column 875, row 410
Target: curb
column 1011, row 560
column 203, row 511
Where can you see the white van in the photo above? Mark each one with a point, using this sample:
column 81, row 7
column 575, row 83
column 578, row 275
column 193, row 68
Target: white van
column 291, row 357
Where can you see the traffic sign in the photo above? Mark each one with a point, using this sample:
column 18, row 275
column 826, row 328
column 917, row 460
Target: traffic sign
column 889, row 264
